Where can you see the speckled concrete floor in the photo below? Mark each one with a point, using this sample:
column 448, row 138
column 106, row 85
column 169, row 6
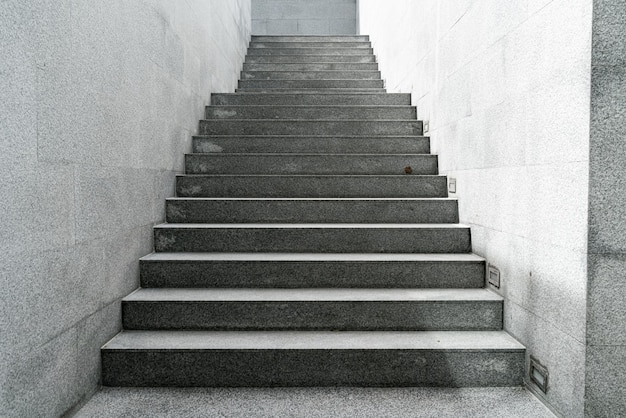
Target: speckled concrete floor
column 314, row 402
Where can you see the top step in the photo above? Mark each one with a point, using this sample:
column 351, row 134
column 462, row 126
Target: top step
column 302, row 38
column 309, row 44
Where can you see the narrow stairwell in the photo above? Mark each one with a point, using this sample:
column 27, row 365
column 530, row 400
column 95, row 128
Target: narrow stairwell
column 302, row 251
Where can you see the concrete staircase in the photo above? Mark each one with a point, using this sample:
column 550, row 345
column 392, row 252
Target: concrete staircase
column 300, row 249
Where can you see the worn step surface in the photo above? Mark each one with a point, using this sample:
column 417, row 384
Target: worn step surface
column 313, row 358
column 311, row 51
column 309, row 44
column 310, row 75
column 313, row 309
column 321, row 238
column 310, row 84
column 255, row 59
column 326, row 98
column 335, row 210
column 305, row 185
column 319, row 66
column 311, row 144
column 310, row 127
column 290, row 163
column 284, row 270
column 310, row 112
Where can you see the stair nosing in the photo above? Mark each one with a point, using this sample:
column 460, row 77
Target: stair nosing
column 304, row 295
column 315, row 257
column 307, row 154
column 316, row 136
column 310, row 226
column 318, row 175
column 319, row 199
column 394, row 107
column 474, row 341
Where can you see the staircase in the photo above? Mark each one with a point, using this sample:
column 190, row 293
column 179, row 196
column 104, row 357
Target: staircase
column 312, row 243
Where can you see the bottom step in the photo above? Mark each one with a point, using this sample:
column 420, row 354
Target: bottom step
column 305, row 358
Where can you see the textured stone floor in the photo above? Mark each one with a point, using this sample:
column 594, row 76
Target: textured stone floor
column 314, row 402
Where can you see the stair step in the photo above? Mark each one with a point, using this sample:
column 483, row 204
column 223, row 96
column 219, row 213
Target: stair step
column 309, row 44
column 313, row 309
column 228, row 185
column 338, row 51
column 310, row 127
column 310, row 38
column 300, row 252
column 274, row 163
column 310, row 75
column 314, row 238
column 310, row 112
column 313, row 358
column 301, row 270
column 310, row 91
column 322, row 99
column 309, row 144
column 320, row 66
column 281, row 210
column 310, row 84
column 291, row 59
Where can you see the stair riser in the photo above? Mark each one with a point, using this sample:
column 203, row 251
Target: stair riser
column 290, row 368
column 255, row 59
column 313, row 240
column 293, row 211
column 310, row 75
column 310, row 84
column 313, row 67
column 311, row 186
column 313, row 315
column 309, row 164
column 310, row 127
column 308, row 38
column 310, row 44
column 286, row 99
column 294, row 144
column 306, row 274
column 321, row 112
column 310, row 51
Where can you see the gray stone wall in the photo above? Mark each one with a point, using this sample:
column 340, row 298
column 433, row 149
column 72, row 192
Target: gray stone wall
column 304, row 17
column 99, row 100
column 505, row 89
column 606, row 299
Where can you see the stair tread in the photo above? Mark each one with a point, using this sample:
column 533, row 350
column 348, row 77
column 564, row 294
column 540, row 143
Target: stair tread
column 317, row 175
column 355, row 137
column 323, row 93
column 309, row 226
column 309, row 154
column 313, row 199
column 314, row 106
column 310, row 295
column 311, row 120
column 313, row 340
column 411, row 257
column 312, row 90
column 310, row 71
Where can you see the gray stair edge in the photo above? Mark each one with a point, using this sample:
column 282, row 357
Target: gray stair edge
column 329, row 257
column 296, row 295
column 314, row 340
